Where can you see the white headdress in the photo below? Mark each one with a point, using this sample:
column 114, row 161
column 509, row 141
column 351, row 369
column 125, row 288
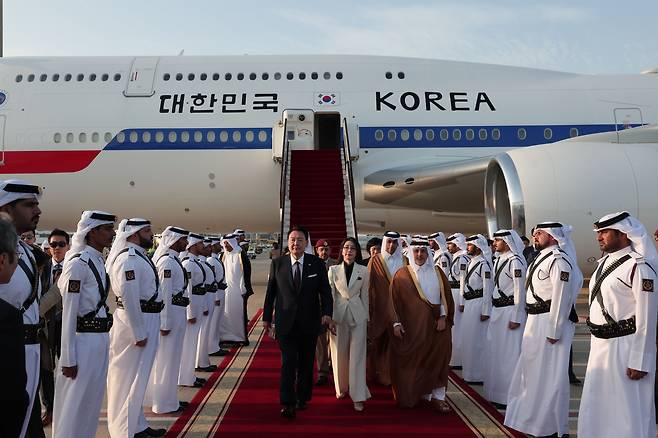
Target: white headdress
column 392, row 235
column 440, row 240
column 513, row 240
column 168, row 237
column 458, row 239
column 127, row 228
column 193, row 239
column 420, row 242
column 481, row 242
column 636, row 232
column 88, row 221
column 232, row 240
column 561, row 233
column 14, row 189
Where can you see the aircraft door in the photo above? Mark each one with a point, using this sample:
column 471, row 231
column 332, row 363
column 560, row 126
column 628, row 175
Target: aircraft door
column 351, row 136
column 627, row 118
column 142, row 77
column 2, row 140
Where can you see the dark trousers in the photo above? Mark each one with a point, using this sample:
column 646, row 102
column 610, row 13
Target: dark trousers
column 47, row 378
column 322, row 354
column 297, row 357
column 34, row 426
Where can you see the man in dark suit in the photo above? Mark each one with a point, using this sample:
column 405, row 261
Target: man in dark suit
column 298, row 291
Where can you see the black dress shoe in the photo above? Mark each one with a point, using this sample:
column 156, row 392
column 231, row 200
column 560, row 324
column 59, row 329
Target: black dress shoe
column 499, row 405
column 300, row 406
column 148, row 432
column 288, row 412
column 575, row 380
column 245, row 343
column 322, row 380
column 208, row 369
column 201, row 379
column 220, row 352
column 183, row 404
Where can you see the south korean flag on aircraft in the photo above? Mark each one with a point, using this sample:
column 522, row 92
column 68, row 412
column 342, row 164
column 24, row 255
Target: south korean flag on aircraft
column 327, row 99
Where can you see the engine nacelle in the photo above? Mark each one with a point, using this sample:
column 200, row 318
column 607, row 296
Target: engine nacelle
column 576, row 181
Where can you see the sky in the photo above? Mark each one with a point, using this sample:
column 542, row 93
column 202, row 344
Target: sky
column 583, row 36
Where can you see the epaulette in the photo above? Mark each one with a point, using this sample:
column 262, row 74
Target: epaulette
column 84, row 256
column 639, row 258
column 557, row 253
column 131, row 251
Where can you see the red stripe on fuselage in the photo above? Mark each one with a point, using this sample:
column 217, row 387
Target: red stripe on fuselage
column 46, row 161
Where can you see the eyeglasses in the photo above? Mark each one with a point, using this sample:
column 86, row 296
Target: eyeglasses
column 57, row 244
column 349, row 248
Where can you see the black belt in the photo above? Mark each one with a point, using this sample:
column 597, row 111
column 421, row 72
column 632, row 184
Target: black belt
column 94, row 324
column 211, row 288
column 199, row 290
column 473, row 294
column 454, row 285
column 146, row 306
column 538, row 308
column 31, row 333
column 504, row 301
column 180, row 300
column 615, row 329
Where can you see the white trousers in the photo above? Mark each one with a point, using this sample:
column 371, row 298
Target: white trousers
column 456, row 357
column 32, row 369
column 164, row 375
column 201, row 357
column 128, row 375
column 186, row 375
column 436, row 394
column 213, row 339
column 232, row 323
column 473, row 334
column 78, row 401
column 348, row 358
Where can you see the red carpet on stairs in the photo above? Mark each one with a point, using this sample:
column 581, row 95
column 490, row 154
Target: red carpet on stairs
column 254, row 410
column 317, row 195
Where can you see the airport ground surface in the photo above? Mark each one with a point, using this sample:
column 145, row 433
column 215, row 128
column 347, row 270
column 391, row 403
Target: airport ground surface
column 224, row 387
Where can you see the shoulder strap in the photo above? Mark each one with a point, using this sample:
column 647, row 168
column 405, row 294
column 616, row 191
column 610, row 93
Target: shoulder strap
column 469, row 273
column 596, row 290
column 528, row 282
column 203, row 271
column 180, row 264
column 155, row 273
column 103, row 291
column 34, row 283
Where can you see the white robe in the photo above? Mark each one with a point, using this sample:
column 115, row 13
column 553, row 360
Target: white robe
column 474, row 331
column 220, row 296
column 202, row 359
column 232, row 321
column 457, row 274
column 612, row 405
column 196, row 308
column 503, row 346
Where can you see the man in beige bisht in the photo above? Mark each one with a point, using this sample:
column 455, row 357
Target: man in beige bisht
column 381, row 270
column 420, row 350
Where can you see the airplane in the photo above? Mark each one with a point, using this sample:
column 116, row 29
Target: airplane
column 198, row 141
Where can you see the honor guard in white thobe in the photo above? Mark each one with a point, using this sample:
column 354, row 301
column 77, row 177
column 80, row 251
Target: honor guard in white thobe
column 202, row 350
column 196, row 291
column 622, row 320
column 24, row 289
column 232, row 326
column 173, row 321
column 86, row 322
column 442, row 257
column 218, row 268
column 507, row 304
column 136, row 321
column 538, row 399
column 477, row 283
column 456, row 276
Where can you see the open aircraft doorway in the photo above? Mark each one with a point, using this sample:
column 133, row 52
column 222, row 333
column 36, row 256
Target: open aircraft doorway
column 327, row 131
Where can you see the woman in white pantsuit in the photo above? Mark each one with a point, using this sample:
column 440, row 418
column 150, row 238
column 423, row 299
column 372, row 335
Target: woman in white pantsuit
column 349, row 283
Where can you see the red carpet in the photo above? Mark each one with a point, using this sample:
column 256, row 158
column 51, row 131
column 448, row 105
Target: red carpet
column 254, row 410
column 317, row 195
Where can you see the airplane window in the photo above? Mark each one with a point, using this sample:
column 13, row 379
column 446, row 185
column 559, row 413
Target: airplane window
column 55, row 77
column 262, row 136
column 105, row 77
column 133, row 137
column 249, row 136
column 82, row 137
column 444, row 134
column 404, row 135
column 57, row 138
column 302, row 76
column 389, row 75
column 401, row 75
column 470, row 134
column 289, row 76
column 67, row 77
column 548, row 133
column 146, row 137
column 223, row 136
column 43, row 78
column 237, row 136
column 92, row 77
column 184, row 136
column 30, row 78
column 210, row 136
column 80, row 77
column 314, row 75
column 482, row 133
column 215, row 76
column 379, row 135
column 429, row 134
column 265, row 76
column 190, row 77
column 228, row 76
column 203, row 76
column 418, row 134
column 166, row 77
column 117, row 77
column 277, row 76
column 252, row 76
column 339, row 75
column 521, row 133
column 108, row 137
column 240, row 76
column 392, row 135
column 159, row 137
column 19, row 78
column 573, row 132
column 95, row 137
column 69, row 137
column 456, row 134
column 121, row 137
column 179, row 76
column 172, row 137
column 198, row 136
column 326, row 75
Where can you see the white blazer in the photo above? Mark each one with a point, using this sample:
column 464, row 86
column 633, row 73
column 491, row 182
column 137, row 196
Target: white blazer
column 353, row 296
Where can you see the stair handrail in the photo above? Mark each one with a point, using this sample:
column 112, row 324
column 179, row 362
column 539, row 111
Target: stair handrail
column 347, row 153
column 283, row 191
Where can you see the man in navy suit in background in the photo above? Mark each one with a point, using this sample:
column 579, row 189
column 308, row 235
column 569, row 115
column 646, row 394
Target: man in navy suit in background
column 299, row 294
